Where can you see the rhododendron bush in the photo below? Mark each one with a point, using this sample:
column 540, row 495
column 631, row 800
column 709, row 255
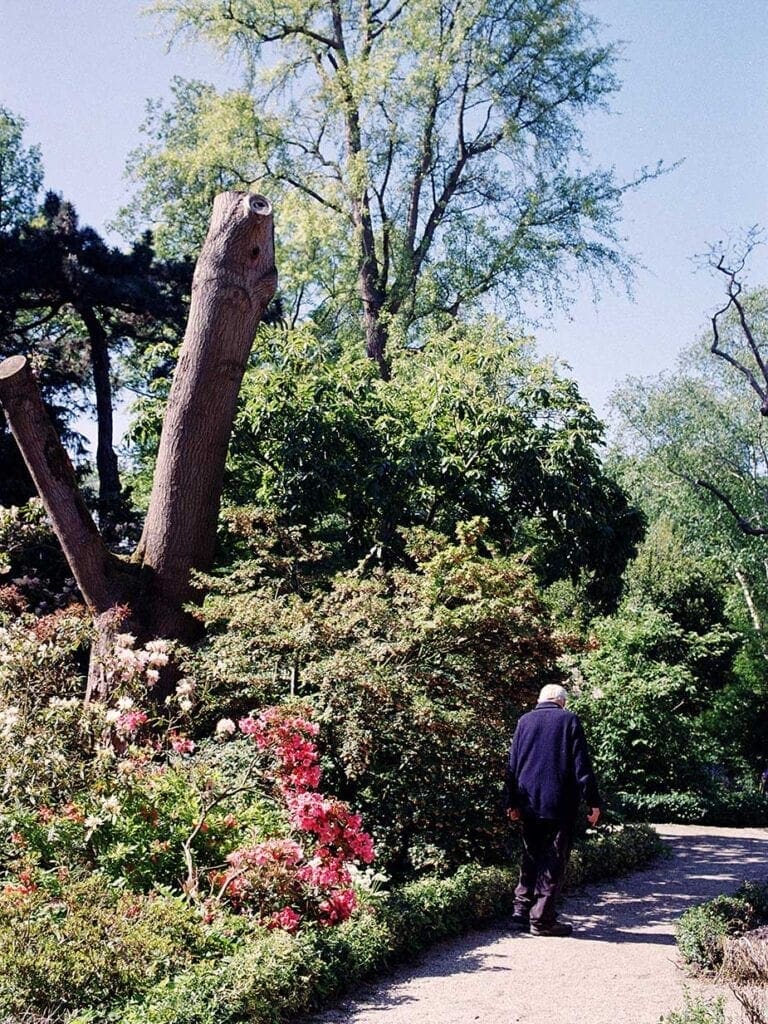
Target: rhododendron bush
column 310, row 876
column 159, row 817
column 234, row 821
column 418, row 675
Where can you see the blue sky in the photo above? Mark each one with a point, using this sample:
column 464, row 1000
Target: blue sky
column 695, row 76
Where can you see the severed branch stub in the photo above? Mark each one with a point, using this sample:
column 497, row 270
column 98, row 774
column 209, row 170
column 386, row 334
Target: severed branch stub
column 54, row 477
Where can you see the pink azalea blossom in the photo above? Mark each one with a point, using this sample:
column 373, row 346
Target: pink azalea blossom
column 284, row 851
column 181, row 744
column 130, row 721
column 287, row 919
column 338, row 907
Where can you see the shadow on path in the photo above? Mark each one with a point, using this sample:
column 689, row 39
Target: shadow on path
column 644, row 906
column 637, row 910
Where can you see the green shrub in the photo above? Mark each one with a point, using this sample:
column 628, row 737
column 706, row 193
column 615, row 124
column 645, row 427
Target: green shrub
column 698, row 1011
column 703, row 930
column 737, row 808
column 756, row 894
column 297, row 971
column 269, row 976
column 417, row 677
column 87, row 944
column 355, row 950
column 716, row 805
column 233, row 972
column 685, row 808
column 613, row 850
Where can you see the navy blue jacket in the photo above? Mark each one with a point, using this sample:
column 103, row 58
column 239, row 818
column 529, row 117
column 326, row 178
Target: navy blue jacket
column 549, row 772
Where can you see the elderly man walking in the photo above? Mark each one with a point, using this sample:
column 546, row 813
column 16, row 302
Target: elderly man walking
column 548, row 775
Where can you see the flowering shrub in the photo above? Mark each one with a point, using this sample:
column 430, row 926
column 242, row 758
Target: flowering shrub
column 417, row 674
column 157, row 814
column 287, row 880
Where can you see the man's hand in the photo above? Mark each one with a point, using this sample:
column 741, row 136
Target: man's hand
column 594, row 816
column 513, row 814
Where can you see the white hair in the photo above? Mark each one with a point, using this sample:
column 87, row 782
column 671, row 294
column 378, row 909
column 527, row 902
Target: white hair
column 553, row 692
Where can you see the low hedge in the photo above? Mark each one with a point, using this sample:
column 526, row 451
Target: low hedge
column 728, row 808
column 703, row 931
column 270, row 976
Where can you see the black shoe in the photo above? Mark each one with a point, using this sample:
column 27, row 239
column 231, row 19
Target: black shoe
column 519, row 923
column 553, row 928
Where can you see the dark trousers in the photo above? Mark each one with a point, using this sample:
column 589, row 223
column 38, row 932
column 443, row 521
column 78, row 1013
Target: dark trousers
column 546, row 847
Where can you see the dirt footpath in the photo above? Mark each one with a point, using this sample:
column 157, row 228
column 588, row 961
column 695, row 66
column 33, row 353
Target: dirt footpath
column 619, row 967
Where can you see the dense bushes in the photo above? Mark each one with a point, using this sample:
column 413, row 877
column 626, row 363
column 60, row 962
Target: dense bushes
column 86, row 942
column 88, row 947
column 703, row 930
column 711, row 805
column 672, row 693
column 417, row 676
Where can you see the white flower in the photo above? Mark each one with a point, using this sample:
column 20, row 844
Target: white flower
column 152, row 676
column 597, row 693
column 111, row 805
column 186, row 687
column 125, row 640
column 161, row 646
column 111, row 716
column 185, row 704
column 125, row 703
column 157, row 659
column 225, row 727
column 63, row 703
column 10, row 718
column 92, row 822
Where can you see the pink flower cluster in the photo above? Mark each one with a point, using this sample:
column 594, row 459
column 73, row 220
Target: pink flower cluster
column 271, row 851
column 288, row 738
column 181, row 744
column 314, row 874
column 287, row 919
column 129, row 722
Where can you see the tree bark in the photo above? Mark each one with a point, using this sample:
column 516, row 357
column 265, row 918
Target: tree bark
column 53, row 475
column 106, row 460
column 748, row 600
column 234, row 280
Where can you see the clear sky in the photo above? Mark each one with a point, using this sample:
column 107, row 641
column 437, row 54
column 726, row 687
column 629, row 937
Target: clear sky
column 695, row 76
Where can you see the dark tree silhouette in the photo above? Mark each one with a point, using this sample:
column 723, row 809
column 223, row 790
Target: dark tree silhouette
column 62, row 289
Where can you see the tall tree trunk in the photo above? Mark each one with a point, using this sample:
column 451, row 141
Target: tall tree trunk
column 106, row 460
column 234, row 281
column 375, row 331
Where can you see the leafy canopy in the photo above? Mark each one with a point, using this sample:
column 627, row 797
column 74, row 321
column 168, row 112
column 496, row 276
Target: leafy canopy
column 421, row 155
column 21, row 172
column 471, row 425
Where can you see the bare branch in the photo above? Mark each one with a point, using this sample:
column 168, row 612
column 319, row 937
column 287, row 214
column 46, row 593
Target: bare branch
column 734, row 290
column 744, row 524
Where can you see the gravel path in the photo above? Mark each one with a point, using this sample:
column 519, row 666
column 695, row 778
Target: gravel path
column 619, row 967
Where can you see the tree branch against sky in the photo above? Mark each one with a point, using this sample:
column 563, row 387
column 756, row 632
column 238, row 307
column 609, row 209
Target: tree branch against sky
column 423, row 155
